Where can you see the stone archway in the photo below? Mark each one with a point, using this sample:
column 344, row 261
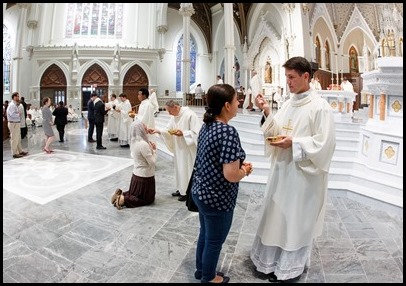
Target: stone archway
column 94, row 80
column 53, row 85
column 134, row 79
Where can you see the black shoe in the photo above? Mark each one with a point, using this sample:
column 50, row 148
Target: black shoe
column 101, row 147
column 91, row 141
column 273, row 278
column 198, row 275
column 17, row 156
column 125, row 146
column 61, row 141
column 252, row 109
column 226, row 279
column 113, row 139
column 176, row 194
column 182, row 198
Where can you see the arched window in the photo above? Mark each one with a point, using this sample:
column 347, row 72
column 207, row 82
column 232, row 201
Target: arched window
column 179, row 51
column 95, row 19
column 6, row 61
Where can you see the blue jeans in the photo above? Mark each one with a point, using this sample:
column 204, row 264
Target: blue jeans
column 214, row 228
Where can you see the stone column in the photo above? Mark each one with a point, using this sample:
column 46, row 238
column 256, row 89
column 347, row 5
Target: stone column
column 229, row 44
column 186, row 10
column 16, row 76
column 382, row 105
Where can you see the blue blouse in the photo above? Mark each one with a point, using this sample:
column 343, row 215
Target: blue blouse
column 218, row 144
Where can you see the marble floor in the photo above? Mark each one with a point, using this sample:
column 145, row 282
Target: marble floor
column 59, row 224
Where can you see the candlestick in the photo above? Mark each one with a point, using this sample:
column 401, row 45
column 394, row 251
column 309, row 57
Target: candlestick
column 337, row 66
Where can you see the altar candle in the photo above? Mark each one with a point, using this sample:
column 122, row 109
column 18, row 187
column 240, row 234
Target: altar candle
column 337, row 66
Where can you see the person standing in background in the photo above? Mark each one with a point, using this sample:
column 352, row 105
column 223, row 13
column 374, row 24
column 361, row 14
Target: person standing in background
column 346, row 85
column 23, row 121
column 113, row 121
column 219, row 80
column 47, row 124
column 296, row 192
column 154, row 101
column 199, row 93
column 61, row 119
column 220, row 166
column 90, row 117
column 13, row 118
column 99, row 113
column 124, row 130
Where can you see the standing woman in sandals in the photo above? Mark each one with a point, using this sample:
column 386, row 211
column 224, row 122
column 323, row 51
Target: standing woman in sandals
column 47, row 124
column 142, row 186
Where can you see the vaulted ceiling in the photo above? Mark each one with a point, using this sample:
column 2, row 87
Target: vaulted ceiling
column 203, row 19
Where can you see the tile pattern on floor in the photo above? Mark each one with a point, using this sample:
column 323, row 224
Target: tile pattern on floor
column 80, row 237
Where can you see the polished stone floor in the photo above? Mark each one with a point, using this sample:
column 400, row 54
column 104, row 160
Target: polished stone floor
column 72, row 233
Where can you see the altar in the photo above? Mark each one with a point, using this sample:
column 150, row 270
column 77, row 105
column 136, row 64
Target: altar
column 340, row 101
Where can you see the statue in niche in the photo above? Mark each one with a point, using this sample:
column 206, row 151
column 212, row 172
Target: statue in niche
column 268, row 72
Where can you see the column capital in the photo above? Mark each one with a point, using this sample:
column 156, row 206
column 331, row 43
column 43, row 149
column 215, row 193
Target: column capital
column 186, row 9
column 162, row 29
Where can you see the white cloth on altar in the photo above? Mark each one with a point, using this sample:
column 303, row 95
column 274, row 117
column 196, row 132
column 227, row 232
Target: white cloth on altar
column 183, row 147
column 125, row 122
column 113, row 119
column 296, row 191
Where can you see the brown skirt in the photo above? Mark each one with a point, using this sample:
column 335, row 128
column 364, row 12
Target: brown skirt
column 141, row 192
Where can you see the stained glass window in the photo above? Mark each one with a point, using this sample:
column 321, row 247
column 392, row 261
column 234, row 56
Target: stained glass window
column 94, row 19
column 193, row 54
column 6, row 60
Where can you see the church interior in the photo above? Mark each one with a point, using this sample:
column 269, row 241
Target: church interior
column 58, row 222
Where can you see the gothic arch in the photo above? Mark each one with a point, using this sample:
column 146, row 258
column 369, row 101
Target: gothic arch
column 134, row 79
column 53, row 84
column 94, row 80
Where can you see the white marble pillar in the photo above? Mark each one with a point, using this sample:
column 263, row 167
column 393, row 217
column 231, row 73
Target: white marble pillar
column 229, row 44
column 186, row 10
column 323, row 58
column 18, row 57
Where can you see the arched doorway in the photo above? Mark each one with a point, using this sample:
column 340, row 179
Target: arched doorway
column 134, row 79
column 53, row 85
column 94, row 79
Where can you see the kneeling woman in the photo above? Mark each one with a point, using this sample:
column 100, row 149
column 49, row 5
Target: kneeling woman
column 142, row 187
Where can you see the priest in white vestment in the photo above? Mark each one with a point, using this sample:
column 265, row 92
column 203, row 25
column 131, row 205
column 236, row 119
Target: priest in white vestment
column 296, row 191
column 180, row 137
column 124, row 135
column 113, row 118
column 256, row 87
column 154, row 100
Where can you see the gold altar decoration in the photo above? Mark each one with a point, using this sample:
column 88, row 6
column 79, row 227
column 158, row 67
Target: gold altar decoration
column 396, row 106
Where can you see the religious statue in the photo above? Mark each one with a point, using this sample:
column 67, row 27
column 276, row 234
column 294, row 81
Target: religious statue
column 268, row 72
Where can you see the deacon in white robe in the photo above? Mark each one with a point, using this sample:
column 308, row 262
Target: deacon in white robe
column 184, row 126
column 154, row 100
column 124, row 134
column 296, row 191
column 113, row 118
column 256, row 87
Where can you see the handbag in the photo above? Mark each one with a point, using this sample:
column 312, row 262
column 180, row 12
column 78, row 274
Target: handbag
column 190, row 204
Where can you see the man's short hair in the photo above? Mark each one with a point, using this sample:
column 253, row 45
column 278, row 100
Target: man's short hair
column 14, row 94
column 123, row 95
column 144, row 91
column 172, row 103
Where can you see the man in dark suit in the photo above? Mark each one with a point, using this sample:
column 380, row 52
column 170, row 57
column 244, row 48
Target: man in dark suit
column 99, row 113
column 61, row 119
column 90, row 117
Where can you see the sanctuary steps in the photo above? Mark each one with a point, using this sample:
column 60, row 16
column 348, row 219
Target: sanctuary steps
column 347, row 174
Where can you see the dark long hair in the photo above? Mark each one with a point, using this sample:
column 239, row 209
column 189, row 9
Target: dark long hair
column 217, row 96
